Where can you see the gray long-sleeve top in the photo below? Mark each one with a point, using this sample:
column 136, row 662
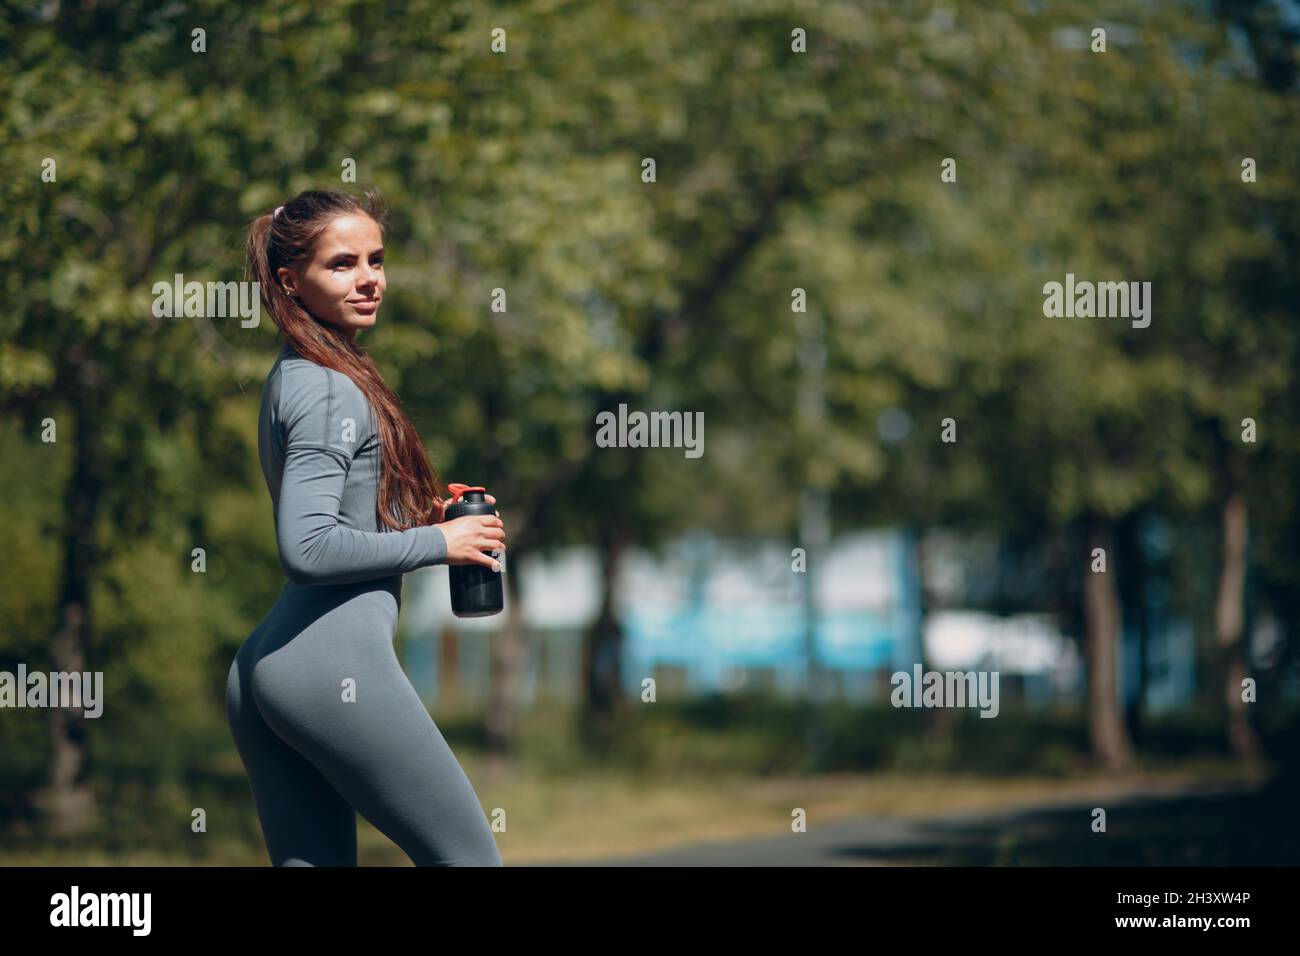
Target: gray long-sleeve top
column 320, row 453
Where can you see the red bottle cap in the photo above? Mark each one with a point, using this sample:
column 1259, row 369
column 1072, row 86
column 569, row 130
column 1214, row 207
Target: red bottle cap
column 457, row 489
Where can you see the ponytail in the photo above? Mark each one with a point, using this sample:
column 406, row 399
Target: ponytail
column 410, row 491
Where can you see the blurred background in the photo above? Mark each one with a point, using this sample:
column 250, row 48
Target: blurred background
column 837, row 256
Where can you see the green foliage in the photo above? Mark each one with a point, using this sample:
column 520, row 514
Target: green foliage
column 522, row 172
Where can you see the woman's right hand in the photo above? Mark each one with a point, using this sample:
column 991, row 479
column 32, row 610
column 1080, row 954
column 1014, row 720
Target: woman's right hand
column 471, row 536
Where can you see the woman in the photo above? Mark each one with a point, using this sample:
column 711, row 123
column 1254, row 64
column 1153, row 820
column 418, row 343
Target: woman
column 325, row 720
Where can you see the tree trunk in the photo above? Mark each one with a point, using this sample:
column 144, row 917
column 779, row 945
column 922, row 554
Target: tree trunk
column 1109, row 738
column 925, row 599
column 70, row 801
column 1132, row 588
column 509, row 656
column 941, row 721
column 449, row 693
column 1230, row 623
column 603, row 651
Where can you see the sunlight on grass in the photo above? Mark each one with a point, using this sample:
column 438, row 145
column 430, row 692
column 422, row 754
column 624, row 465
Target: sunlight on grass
column 607, row 814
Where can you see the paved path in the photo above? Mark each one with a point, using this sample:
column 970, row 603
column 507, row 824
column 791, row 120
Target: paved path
column 1142, row 828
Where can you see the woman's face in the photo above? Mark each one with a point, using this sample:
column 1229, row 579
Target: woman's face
column 343, row 281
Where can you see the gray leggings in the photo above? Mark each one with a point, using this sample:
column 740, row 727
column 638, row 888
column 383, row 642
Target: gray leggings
column 328, row 725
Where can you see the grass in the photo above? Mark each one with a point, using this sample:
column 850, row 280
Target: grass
column 603, row 813
column 614, row 813
column 675, row 775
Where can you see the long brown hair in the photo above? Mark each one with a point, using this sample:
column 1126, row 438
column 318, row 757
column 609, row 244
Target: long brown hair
column 410, row 492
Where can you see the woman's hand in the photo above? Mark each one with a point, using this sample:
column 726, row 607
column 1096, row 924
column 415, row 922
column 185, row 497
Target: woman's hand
column 470, row 536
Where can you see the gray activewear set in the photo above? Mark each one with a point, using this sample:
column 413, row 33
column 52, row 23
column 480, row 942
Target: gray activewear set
column 325, row 720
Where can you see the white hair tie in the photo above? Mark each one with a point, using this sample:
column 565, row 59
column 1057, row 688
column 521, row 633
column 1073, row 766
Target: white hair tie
column 277, row 211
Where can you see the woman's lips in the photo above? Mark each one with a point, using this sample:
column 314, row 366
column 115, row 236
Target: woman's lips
column 364, row 306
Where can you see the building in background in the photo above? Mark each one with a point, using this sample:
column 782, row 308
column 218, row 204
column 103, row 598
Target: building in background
column 718, row 616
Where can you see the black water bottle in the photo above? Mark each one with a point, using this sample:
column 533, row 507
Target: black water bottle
column 475, row 588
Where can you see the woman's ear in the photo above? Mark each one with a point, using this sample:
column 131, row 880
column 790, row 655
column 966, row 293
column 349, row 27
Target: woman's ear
column 287, row 280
